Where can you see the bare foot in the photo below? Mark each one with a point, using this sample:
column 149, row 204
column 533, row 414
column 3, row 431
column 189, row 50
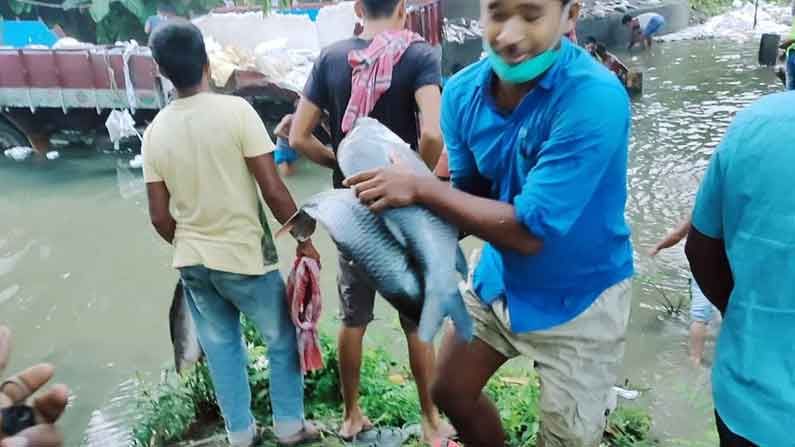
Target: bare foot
column 354, row 423
column 434, row 431
column 695, row 361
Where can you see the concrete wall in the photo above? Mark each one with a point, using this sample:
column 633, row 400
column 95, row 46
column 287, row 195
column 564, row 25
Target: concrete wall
column 610, row 31
column 606, row 29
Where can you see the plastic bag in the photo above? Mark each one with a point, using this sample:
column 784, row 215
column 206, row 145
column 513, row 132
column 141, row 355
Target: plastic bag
column 120, row 124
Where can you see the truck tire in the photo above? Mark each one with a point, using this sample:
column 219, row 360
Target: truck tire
column 768, row 49
column 10, row 136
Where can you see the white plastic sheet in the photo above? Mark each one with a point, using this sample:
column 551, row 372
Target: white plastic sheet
column 18, row 153
column 120, row 124
column 336, row 22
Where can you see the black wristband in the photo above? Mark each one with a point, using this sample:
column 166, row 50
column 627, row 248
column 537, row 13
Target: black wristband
column 16, row 418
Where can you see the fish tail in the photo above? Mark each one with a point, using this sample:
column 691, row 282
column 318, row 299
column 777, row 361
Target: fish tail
column 458, row 312
column 434, row 312
column 461, row 265
column 431, row 320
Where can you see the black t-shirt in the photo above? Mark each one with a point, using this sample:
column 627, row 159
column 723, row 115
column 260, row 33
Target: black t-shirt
column 329, row 88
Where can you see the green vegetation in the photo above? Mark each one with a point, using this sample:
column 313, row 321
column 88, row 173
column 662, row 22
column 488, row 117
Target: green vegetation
column 181, row 407
column 673, row 302
column 114, row 19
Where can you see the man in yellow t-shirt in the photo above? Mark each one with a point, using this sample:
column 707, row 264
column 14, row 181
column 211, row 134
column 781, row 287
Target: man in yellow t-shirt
column 204, row 157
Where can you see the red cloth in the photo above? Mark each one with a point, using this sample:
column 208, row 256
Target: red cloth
column 372, row 72
column 305, row 304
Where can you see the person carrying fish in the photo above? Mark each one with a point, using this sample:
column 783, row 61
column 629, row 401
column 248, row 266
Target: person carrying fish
column 204, row 156
column 537, row 139
column 389, row 74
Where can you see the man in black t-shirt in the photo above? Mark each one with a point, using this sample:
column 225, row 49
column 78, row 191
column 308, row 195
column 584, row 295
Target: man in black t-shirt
column 410, row 108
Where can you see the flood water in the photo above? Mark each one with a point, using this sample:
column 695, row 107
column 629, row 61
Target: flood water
column 85, row 283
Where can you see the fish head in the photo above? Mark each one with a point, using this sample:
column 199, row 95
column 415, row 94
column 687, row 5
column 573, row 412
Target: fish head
column 372, row 145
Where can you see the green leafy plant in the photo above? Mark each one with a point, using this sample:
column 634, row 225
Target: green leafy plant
column 629, row 427
column 672, row 303
column 178, row 407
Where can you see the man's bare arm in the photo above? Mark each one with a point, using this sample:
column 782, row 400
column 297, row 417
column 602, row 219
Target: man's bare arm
column 429, row 101
column 305, row 119
column 710, row 267
column 273, row 189
column 278, row 197
column 159, row 213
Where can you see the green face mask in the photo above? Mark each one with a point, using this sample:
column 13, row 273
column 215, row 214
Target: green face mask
column 530, row 69
column 524, row 71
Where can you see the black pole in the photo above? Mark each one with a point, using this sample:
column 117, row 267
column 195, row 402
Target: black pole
column 756, row 11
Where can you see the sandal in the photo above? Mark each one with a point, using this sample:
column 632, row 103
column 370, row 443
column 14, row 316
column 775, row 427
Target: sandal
column 446, row 443
column 365, row 428
column 309, row 433
column 378, row 437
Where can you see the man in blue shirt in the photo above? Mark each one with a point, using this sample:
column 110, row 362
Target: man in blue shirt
column 741, row 250
column 537, row 138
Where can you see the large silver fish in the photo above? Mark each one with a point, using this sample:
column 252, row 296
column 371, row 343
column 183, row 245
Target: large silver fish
column 410, row 254
column 185, row 340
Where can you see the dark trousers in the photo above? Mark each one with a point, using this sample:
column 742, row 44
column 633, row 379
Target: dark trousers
column 729, row 439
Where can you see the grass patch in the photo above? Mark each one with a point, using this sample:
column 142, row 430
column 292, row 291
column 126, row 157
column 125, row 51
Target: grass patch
column 181, row 408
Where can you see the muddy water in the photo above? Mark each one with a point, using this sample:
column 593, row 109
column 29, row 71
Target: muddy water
column 85, row 283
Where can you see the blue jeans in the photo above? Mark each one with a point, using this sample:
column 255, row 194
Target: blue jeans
column 791, row 70
column 216, row 300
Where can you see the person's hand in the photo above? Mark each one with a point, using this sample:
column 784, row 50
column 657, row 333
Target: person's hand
column 283, row 128
column 307, row 249
column 669, row 241
column 47, row 407
column 673, row 238
column 391, row 187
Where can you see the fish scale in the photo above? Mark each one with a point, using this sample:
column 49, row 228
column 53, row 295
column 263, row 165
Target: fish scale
column 427, row 246
column 362, row 236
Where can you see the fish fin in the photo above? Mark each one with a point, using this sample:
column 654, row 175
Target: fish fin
column 434, row 312
column 461, row 265
column 301, row 226
column 431, row 320
column 397, row 233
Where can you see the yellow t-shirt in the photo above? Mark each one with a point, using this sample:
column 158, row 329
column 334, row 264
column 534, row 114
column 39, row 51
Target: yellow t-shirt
column 197, row 146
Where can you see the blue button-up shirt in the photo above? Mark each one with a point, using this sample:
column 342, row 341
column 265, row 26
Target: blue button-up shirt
column 561, row 159
column 746, row 200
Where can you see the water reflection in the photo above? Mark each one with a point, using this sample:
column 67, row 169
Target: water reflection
column 693, row 91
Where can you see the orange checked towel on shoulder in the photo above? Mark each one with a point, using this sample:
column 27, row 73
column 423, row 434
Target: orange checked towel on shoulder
column 372, row 72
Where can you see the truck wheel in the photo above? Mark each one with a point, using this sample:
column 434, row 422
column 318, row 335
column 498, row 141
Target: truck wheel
column 10, row 136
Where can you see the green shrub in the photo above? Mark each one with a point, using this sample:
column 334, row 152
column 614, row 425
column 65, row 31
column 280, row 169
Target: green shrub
column 168, row 412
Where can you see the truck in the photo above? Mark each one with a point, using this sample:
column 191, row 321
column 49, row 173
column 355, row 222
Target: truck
column 46, row 91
